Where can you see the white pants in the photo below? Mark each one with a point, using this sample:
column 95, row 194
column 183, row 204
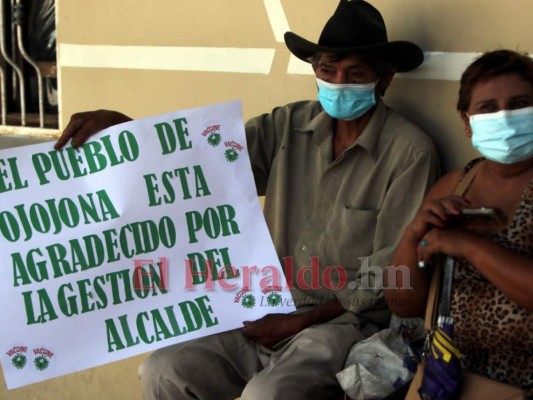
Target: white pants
column 227, row 365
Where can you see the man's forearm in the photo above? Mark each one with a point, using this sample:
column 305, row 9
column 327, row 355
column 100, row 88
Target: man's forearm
column 323, row 313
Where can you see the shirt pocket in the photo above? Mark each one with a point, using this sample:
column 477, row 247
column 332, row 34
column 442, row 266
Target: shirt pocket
column 351, row 233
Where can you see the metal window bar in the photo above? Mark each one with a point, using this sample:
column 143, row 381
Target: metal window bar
column 24, row 66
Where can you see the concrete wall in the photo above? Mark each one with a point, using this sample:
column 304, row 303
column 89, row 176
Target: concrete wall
column 146, row 57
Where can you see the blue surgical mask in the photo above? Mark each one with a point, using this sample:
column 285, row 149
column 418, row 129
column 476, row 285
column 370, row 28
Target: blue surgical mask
column 346, row 101
column 505, row 136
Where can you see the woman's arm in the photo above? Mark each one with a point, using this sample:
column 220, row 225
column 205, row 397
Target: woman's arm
column 405, row 284
column 508, row 271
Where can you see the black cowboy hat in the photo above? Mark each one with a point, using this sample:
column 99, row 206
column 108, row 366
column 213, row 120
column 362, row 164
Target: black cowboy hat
column 357, row 27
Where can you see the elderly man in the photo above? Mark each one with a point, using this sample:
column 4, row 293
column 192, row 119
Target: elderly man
column 342, row 177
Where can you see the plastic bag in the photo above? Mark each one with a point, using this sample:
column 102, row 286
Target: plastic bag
column 384, row 362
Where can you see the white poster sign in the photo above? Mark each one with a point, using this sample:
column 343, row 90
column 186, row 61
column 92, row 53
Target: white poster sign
column 148, row 235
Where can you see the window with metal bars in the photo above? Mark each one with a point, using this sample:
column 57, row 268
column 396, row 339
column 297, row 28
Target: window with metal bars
column 28, row 73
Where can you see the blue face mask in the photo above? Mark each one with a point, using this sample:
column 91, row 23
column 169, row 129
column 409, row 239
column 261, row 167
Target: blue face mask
column 505, row 136
column 346, row 101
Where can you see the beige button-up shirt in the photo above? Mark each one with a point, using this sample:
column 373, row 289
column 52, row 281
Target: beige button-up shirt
column 335, row 223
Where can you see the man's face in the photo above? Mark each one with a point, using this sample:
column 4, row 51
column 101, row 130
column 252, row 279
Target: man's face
column 350, row 69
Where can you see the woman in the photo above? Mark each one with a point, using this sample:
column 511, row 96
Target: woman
column 492, row 299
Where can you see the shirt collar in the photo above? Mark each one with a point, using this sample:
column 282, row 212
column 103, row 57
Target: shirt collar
column 370, row 137
column 321, row 127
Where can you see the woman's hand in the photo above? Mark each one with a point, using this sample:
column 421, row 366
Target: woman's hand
column 85, row 124
column 435, row 214
column 417, row 246
column 448, row 241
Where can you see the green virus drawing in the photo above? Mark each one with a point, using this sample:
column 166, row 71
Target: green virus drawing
column 41, row 363
column 19, row 361
column 214, row 139
column 231, row 155
column 274, row 299
column 248, row 301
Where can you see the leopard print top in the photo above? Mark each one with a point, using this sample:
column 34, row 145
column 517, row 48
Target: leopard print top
column 495, row 334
